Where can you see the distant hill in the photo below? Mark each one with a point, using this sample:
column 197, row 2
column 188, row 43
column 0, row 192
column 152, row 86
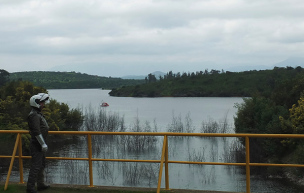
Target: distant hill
column 141, row 70
column 293, row 62
column 156, row 74
column 121, row 69
column 71, row 80
column 136, row 77
column 247, row 68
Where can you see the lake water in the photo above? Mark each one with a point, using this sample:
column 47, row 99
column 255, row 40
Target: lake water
column 159, row 112
column 150, row 109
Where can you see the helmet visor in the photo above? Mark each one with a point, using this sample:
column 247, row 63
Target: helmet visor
column 44, row 97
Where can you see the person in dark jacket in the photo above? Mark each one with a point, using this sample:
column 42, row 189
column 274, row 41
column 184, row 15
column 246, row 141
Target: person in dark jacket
column 39, row 131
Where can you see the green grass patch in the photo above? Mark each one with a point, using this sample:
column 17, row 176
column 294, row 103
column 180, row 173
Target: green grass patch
column 12, row 189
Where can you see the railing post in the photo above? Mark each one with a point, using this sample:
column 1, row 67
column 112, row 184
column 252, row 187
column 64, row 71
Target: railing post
column 161, row 163
column 90, row 160
column 166, row 165
column 20, row 160
column 12, row 162
column 247, row 165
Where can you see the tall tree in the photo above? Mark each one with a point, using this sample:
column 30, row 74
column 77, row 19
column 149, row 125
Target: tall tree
column 151, row 78
column 4, row 77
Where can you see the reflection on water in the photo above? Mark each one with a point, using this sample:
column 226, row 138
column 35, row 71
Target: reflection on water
column 133, row 174
column 181, row 176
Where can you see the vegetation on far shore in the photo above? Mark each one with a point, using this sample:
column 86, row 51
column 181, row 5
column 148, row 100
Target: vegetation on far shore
column 275, row 106
column 213, row 83
column 71, row 80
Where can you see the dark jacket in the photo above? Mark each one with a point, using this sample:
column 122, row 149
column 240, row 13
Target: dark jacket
column 37, row 124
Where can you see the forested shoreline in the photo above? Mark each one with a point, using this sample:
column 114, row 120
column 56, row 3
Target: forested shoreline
column 213, row 83
column 71, row 80
column 274, row 104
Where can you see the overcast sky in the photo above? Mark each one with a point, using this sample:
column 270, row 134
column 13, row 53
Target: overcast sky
column 131, row 36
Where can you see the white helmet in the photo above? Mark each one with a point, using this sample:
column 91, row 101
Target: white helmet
column 36, row 99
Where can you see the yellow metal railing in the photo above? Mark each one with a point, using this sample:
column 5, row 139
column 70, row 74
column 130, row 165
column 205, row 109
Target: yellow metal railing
column 164, row 156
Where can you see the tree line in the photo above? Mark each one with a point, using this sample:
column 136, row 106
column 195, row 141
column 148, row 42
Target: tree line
column 71, row 80
column 213, row 83
column 170, row 75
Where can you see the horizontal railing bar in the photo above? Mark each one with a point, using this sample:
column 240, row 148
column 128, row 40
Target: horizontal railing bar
column 158, row 161
column 67, row 158
column 9, row 156
column 276, row 165
column 130, row 160
column 86, row 159
column 207, row 163
column 126, row 160
column 236, row 164
column 15, row 131
column 164, row 133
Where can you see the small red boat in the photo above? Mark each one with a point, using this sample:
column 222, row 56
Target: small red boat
column 104, row 104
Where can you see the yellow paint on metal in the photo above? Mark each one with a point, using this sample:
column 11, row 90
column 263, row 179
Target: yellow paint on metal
column 164, row 157
column 166, row 166
column 12, row 162
column 90, row 160
column 247, row 165
column 20, row 160
column 161, row 163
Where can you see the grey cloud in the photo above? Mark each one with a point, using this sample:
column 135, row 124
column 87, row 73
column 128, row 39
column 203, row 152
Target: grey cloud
column 166, row 30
